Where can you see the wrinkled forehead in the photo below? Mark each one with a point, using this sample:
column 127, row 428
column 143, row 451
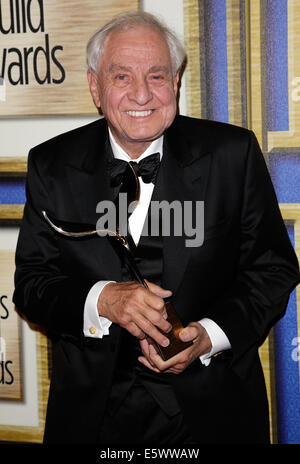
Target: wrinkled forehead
column 136, row 44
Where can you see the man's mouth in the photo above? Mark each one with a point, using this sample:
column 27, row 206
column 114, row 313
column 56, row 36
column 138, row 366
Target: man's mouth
column 139, row 114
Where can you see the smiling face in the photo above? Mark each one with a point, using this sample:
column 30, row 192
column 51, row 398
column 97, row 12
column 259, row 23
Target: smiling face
column 135, row 87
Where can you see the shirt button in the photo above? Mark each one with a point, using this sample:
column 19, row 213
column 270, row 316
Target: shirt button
column 92, row 330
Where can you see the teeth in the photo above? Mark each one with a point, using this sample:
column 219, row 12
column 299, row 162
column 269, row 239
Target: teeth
column 139, row 114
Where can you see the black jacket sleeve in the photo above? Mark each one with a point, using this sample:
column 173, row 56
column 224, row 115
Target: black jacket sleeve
column 267, row 268
column 42, row 293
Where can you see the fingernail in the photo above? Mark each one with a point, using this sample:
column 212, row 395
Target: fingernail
column 184, row 335
column 166, row 342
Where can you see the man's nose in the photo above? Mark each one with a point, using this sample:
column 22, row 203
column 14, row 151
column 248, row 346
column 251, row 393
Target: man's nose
column 140, row 91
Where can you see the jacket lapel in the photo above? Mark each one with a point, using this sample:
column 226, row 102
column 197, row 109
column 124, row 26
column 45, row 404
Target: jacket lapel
column 87, row 175
column 183, row 176
column 89, row 183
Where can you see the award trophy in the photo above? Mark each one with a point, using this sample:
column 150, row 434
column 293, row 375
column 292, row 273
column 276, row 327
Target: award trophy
column 124, row 248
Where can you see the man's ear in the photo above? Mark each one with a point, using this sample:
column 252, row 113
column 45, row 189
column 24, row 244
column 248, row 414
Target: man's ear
column 93, row 85
column 175, row 83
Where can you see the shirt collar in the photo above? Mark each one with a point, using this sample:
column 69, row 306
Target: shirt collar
column 155, row 147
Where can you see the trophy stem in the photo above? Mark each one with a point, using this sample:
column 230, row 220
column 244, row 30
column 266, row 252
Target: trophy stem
column 124, row 249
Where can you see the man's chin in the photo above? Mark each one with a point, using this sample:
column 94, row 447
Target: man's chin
column 143, row 137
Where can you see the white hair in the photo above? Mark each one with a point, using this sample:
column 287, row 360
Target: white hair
column 124, row 22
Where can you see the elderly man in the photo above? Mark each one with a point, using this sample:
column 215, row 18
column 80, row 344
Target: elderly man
column 109, row 384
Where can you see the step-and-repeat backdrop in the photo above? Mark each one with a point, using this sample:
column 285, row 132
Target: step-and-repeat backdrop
column 243, row 68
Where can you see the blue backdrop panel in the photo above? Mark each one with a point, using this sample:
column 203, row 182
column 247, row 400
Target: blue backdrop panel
column 216, row 60
column 287, row 373
column 277, row 65
column 12, row 190
column 285, row 174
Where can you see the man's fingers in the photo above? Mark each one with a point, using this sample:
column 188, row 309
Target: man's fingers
column 189, row 334
column 149, row 310
column 152, row 356
column 135, row 331
column 174, row 365
column 145, row 346
column 145, row 349
column 159, row 320
column 156, row 302
column 138, row 310
column 148, row 328
column 159, row 291
column 152, row 308
column 178, row 363
column 179, row 360
column 146, row 363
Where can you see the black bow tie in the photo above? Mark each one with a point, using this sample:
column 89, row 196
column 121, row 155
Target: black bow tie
column 147, row 168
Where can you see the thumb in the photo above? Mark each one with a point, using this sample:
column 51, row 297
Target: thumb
column 188, row 333
column 157, row 290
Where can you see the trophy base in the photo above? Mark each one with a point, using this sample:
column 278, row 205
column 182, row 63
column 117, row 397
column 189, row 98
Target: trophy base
column 176, row 345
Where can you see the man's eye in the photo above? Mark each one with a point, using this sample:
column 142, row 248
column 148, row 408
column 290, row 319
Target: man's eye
column 157, row 79
column 121, row 77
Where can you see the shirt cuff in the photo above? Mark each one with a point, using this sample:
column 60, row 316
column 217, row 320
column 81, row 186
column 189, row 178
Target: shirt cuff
column 217, row 337
column 95, row 325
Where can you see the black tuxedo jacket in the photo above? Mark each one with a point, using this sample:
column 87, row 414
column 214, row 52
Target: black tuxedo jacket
column 241, row 276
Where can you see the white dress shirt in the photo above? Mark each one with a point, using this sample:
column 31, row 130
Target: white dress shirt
column 97, row 326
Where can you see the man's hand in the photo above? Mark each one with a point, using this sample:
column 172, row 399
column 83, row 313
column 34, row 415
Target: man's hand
column 138, row 310
column 175, row 365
